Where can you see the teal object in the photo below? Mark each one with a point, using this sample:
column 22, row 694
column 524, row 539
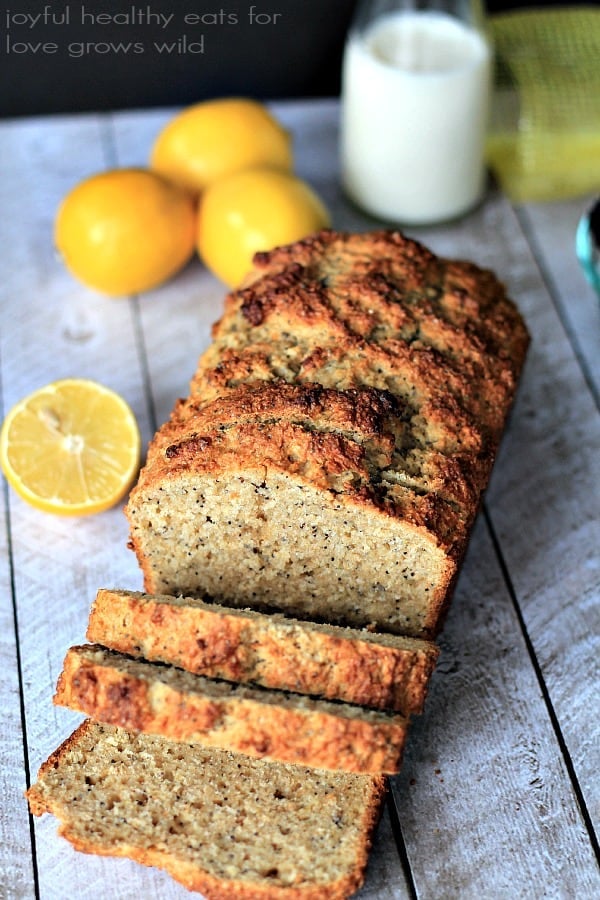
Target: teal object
column 587, row 245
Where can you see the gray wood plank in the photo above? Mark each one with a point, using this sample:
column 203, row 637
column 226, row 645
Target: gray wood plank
column 544, row 495
column 550, row 229
column 385, row 879
column 16, row 852
column 554, row 539
column 545, row 491
column 55, row 328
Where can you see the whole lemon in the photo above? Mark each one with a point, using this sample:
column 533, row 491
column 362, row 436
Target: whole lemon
column 256, row 209
column 217, row 137
column 125, row 231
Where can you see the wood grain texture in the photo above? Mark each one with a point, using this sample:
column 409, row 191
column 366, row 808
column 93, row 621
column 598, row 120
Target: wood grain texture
column 550, row 230
column 544, row 500
column 486, row 800
column 385, row 878
column 52, row 328
column 16, row 863
column 57, row 329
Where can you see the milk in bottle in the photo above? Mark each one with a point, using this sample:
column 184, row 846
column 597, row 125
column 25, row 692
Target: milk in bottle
column 415, row 92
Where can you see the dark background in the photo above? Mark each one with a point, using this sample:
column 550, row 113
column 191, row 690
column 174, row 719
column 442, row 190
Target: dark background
column 299, row 55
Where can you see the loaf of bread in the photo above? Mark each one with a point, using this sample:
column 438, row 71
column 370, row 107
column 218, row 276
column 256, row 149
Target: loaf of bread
column 340, row 430
column 382, row 671
column 275, row 725
column 229, row 826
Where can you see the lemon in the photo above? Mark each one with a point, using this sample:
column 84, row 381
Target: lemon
column 71, row 448
column 125, row 231
column 253, row 210
column 217, row 137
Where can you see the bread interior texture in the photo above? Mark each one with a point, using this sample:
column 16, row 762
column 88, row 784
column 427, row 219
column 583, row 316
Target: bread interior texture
column 209, row 814
column 295, row 549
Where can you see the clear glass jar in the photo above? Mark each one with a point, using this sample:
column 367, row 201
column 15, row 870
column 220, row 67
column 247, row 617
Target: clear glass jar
column 415, row 101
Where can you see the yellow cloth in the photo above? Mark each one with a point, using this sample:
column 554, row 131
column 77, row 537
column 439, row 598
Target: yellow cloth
column 544, row 137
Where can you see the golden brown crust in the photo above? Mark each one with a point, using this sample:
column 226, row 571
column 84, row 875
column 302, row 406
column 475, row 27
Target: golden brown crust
column 411, row 283
column 328, row 462
column 371, row 418
column 365, row 295
column 272, row 651
column 43, row 797
column 212, row 887
column 144, row 697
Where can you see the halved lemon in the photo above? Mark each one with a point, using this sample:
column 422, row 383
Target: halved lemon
column 71, row 448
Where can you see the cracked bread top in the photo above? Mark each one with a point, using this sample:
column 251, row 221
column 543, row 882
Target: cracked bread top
column 431, row 348
column 380, row 310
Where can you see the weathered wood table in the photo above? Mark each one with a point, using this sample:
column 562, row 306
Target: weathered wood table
column 499, row 796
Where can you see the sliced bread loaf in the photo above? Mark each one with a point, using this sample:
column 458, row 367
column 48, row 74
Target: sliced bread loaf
column 229, row 826
column 383, row 671
column 340, row 431
column 158, row 699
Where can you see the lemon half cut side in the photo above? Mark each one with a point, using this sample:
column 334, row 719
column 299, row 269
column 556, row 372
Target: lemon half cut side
column 71, row 448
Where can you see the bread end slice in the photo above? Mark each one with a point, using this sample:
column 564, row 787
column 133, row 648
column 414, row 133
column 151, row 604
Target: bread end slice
column 217, row 822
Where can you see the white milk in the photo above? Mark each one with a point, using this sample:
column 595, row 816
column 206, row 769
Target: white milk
column 414, row 111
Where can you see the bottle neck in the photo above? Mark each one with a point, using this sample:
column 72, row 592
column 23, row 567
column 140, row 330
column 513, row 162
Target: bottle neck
column 469, row 12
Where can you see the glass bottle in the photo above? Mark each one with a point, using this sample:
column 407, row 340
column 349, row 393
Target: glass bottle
column 414, row 107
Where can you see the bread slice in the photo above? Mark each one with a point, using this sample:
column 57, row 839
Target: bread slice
column 229, row 826
column 376, row 670
column 340, row 430
column 157, row 699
